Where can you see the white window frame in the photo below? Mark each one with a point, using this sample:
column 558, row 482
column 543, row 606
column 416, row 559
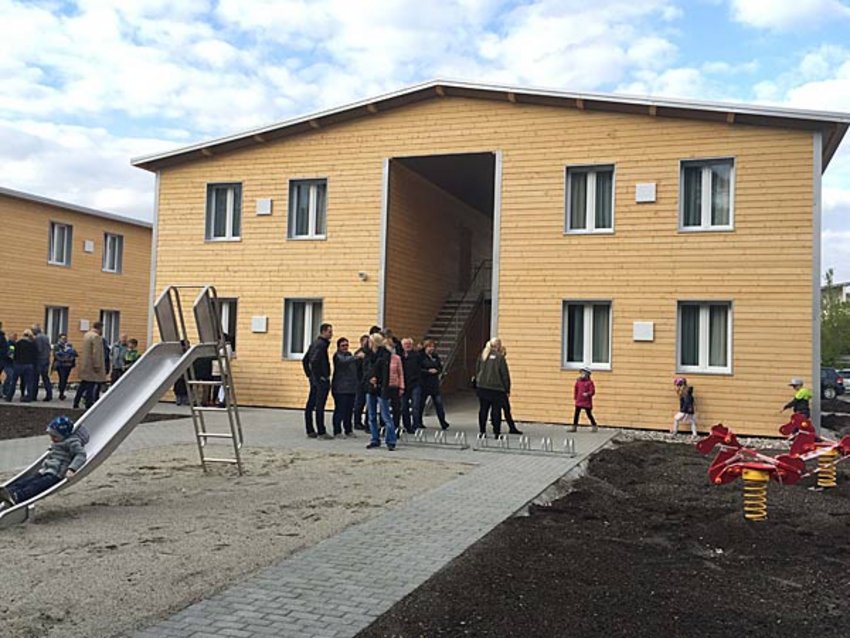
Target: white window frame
column 229, row 307
column 704, row 337
column 309, row 309
column 53, row 241
column 587, row 348
column 705, row 212
column 55, row 322
column 590, row 204
column 312, row 231
column 111, row 320
column 233, row 192
column 113, row 250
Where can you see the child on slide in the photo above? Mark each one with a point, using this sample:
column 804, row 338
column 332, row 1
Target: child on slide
column 67, row 455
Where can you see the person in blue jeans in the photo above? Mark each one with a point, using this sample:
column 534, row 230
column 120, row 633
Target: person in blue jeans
column 7, row 361
column 64, row 360
column 376, row 379
column 67, row 454
column 25, row 358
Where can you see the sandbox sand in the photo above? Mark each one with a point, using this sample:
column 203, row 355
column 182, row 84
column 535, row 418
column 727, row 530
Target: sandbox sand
column 149, row 533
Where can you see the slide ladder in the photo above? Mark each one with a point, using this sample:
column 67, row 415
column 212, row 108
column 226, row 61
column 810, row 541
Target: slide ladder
column 172, row 327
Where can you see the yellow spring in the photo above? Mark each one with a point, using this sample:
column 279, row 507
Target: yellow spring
column 755, row 494
column 826, row 469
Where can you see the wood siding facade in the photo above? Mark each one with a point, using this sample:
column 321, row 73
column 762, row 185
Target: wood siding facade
column 763, row 267
column 31, row 284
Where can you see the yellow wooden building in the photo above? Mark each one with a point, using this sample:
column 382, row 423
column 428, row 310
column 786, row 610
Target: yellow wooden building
column 66, row 266
column 644, row 238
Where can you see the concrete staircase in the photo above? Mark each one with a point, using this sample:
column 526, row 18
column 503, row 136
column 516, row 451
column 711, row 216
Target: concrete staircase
column 450, row 323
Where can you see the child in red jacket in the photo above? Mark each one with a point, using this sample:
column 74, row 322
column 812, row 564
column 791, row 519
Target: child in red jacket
column 583, row 397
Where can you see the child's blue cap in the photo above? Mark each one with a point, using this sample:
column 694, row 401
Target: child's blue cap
column 62, row 425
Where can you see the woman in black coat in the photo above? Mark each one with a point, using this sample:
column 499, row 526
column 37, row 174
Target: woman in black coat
column 432, row 368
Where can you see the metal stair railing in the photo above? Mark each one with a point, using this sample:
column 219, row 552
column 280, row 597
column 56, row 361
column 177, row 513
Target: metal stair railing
column 169, row 313
column 466, row 307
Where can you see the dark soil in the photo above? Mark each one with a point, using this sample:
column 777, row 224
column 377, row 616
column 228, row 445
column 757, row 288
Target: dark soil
column 644, row 547
column 18, row 421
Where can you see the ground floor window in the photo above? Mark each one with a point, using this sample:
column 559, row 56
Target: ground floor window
column 704, row 343
column 587, row 334
column 227, row 307
column 301, row 320
column 55, row 322
column 111, row 320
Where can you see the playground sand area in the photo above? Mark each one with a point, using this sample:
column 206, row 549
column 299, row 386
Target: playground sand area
column 149, row 533
column 643, row 546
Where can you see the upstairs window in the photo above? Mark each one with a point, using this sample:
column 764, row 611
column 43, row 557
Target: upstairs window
column 590, row 199
column 59, row 250
column 224, row 211
column 587, row 334
column 113, row 252
column 307, row 208
column 707, row 195
column 705, row 337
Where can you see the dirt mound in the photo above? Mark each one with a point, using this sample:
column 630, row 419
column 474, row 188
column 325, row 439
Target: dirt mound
column 646, row 547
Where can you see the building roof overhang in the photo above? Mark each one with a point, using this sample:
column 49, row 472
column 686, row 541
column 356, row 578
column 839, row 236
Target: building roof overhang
column 833, row 126
column 8, row 192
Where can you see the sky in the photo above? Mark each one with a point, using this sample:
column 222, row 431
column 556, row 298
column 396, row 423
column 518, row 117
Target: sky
column 87, row 85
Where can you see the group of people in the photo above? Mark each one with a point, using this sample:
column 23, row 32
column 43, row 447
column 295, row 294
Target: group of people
column 391, row 379
column 30, row 360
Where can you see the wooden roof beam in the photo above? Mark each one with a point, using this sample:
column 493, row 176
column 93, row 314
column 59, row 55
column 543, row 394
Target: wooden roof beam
column 315, row 124
column 440, row 91
column 372, row 108
column 579, row 104
column 511, row 97
column 259, row 138
column 653, row 110
column 730, row 118
column 206, row 152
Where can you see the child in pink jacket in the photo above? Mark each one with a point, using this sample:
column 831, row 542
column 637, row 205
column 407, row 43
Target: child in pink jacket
column 583, row 397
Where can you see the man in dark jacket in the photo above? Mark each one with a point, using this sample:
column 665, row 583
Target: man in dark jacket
column 412, row 362
column 360, row 397
column 42, row 363
column 317, row 368
column 5, row 363
column 25, row 358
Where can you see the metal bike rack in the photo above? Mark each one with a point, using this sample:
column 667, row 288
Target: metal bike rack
column 524, row 446
column 440, row 439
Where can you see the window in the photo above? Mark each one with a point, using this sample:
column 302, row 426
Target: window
column 707, row 194
column 228, row 320
column 224, row 211
column 302, row 318
column 55, row 322
column 113, row 252
column 307, row 208
column 705, row 337
column 587, row 334
column 111, row 320
column 59, row 251
column 590, row 199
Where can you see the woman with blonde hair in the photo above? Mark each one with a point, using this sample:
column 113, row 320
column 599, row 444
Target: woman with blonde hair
column 376, row 380
column 492, row 384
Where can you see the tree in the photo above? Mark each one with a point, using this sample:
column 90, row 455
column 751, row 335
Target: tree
column 834, row 324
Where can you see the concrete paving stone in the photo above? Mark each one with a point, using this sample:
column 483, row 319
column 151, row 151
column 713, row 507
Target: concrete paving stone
column 260, row 630
column 235, row 633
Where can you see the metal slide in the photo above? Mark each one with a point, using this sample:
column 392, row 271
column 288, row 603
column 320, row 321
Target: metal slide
column 111, row 419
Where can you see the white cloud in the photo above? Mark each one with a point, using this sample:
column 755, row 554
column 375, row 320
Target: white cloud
column 835, row 247
column 788, row 15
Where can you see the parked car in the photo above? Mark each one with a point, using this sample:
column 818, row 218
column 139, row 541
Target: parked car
column 831, row 383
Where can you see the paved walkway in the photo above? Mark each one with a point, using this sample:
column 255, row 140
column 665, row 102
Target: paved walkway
column 339, row 586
